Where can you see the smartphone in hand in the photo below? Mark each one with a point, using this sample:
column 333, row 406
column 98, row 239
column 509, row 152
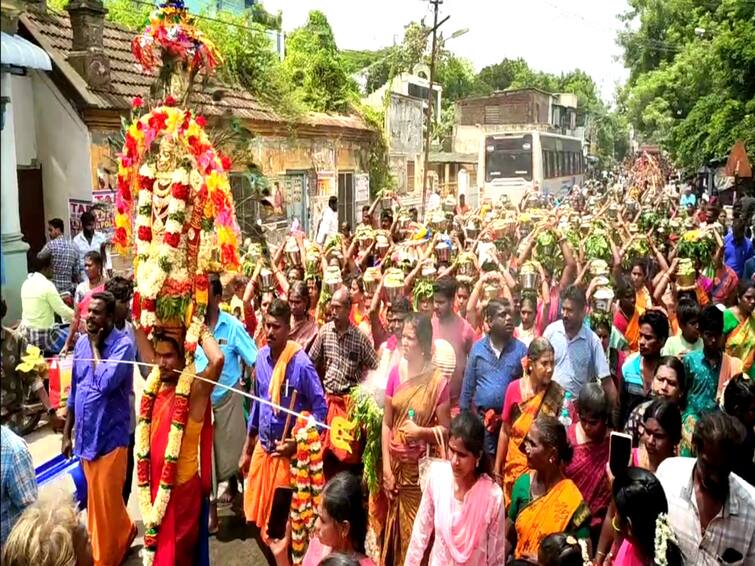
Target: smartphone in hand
column 620, row 453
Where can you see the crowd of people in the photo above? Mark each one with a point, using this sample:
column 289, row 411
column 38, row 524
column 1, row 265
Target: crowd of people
column 499, row 347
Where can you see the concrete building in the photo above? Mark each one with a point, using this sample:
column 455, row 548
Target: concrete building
column 514, row 110
column 17, row 58
column 404, row 127
column 66, row 122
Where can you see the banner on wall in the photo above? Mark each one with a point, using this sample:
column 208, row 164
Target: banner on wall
column 103, row 207
column 326, row 184
column 361, row 187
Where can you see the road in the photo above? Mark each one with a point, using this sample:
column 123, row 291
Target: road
column 234, row 545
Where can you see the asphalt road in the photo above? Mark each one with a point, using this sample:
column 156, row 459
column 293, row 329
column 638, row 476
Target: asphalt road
column 234, row 544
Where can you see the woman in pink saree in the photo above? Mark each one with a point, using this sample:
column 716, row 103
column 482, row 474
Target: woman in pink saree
column 461, row 505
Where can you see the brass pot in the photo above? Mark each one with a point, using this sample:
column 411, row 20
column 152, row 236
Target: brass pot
column 293, row 258
column 491, row 292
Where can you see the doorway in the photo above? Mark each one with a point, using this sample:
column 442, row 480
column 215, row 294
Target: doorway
column 31, row 211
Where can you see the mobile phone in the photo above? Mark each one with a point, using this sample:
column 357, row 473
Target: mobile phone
column 276, row 525
column 620, row 452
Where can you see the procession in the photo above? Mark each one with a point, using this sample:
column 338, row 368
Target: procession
column 539, row 355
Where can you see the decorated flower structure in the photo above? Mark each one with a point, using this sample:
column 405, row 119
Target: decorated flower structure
column 171, row 34
column 175, row 211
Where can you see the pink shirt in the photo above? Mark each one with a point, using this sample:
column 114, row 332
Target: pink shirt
column 627, row 556
column 316, row 552
column 461, row 336
column 469, row 532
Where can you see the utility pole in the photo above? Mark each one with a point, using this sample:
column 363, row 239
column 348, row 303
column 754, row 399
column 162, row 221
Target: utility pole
column 430, row 100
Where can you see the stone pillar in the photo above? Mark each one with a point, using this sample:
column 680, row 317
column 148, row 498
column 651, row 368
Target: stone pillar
column 13, row 246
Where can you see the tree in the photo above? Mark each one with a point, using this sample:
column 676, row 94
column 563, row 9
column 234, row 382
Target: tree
column 691, row 87
column 315, row 66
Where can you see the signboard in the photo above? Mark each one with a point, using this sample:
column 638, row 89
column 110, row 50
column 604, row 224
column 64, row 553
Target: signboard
column 361, row 187
column 104, row 212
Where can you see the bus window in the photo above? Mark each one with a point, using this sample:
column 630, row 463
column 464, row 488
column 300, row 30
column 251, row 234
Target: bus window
column 508, row 158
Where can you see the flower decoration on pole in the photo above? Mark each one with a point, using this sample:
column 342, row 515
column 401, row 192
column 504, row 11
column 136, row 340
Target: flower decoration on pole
column 171, row 31
column 174, row 210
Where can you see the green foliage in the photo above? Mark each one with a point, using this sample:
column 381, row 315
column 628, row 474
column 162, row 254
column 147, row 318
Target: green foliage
column 314, row 66
column 691, row 87
column 377, row 162
column 250, row 62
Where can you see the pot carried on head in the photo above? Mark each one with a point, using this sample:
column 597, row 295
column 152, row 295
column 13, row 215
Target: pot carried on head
column 266, row 279
column 332, row 279
column 371, row 279
column 602, row 299
column 393, row 285
column 293, row 254
column 528, row 276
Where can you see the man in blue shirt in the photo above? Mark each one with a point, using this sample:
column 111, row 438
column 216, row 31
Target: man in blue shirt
column 737, row 248
column 229, row 428
column 98, row 409
column 494, row 361
column 579, row 355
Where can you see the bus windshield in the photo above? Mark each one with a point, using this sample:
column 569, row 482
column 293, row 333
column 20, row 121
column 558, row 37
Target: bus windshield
column 508, row 158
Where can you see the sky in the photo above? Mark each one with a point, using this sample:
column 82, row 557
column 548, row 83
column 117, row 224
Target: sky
column 551, row 35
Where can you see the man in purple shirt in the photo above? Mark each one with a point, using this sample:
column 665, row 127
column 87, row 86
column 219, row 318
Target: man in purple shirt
column 283, row 368
column 99, row 417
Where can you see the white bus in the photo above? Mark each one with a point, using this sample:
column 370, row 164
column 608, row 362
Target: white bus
column 510, row 163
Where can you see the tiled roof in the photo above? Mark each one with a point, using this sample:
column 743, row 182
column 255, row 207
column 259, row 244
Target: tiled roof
column 52, row 30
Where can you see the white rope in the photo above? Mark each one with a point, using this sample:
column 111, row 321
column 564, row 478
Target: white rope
column 311, row 418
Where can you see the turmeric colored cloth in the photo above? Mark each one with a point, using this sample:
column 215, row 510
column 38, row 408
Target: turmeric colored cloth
column 108, row 523
column 561, row 509
column 265, row 474
column 520, row 417
column 629, row 328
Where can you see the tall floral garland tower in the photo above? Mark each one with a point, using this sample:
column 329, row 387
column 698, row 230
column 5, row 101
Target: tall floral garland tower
column 175, row 212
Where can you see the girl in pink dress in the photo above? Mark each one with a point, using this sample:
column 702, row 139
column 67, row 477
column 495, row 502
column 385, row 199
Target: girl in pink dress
column 642, row 519
column 461, row 504
column 341, row 525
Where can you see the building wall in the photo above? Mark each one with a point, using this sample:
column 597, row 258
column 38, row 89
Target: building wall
column 50, row 134
column 517, row 107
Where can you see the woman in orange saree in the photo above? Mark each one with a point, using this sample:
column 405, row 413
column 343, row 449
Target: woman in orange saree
column 526, row 398
column 417, row 408
column 544, row 502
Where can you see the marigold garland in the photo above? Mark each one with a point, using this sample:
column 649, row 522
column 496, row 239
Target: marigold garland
column 153, row 513
column 308, row 481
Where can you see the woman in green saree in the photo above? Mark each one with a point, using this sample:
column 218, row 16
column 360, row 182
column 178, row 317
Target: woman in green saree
column 739, row 327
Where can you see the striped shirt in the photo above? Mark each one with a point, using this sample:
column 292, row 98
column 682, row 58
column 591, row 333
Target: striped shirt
column 731, row 533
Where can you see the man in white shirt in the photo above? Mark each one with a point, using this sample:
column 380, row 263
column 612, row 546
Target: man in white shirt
column 434, row 202
column 711, row 509
column 40, row 302
column 88, row 240
column 329, row 221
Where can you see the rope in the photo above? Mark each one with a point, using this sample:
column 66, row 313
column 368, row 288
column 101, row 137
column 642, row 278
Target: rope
column 215, row 383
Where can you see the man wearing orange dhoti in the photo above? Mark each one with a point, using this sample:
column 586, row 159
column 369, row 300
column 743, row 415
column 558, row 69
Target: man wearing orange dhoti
column 98, row 419
column 179, row 467
column 283, row 369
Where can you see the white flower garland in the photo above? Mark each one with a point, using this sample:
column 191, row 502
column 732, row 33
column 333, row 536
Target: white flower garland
column 153, row 513
column 663, row 534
